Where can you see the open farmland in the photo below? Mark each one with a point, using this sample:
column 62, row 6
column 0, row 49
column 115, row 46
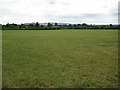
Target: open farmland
column 60, row 58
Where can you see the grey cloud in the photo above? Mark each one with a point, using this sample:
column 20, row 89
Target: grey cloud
column 83, row 16
column 88, row 18
column 4, row 11
column 114, row 10
column 8, row 12
column 96, row 15
column 52, row 2
column 115, row 13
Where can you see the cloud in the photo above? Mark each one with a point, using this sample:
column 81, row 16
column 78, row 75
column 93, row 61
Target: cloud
column 52, row 2
column 73, row 11
column 94, row 18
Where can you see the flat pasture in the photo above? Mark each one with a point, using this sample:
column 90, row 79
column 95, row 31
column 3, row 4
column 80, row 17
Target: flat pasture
column 60, row 58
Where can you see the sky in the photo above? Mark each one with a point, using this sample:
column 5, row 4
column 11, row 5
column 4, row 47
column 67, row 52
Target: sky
column 65, row 11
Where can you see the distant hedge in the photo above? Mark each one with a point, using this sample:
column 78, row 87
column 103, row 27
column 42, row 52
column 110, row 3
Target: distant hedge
column 50, row 26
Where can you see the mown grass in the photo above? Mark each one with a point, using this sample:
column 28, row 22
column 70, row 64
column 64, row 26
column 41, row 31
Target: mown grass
column 60, row 59
column 0, row 59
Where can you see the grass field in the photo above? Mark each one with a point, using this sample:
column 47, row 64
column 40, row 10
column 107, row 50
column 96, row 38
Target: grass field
column 60, row 59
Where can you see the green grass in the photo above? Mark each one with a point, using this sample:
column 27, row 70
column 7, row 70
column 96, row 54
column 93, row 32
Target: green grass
column 60, row 59
column 0, row 59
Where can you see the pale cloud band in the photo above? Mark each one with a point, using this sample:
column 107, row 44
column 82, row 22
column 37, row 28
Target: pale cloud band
column 70, row 11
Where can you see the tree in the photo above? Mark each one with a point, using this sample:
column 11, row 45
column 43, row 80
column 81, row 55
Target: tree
column 22, row 27
column 31, row 27
column 56, row 24
column 111, row 25
column 49, row 24
column 79, row 24
column 70, row 25
column 37, row 24
column 84, row 24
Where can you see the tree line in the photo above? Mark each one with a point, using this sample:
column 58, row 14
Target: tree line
column 50, row 26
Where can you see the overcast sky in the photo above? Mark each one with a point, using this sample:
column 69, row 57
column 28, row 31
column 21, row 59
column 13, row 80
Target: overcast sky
column 67, row 11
